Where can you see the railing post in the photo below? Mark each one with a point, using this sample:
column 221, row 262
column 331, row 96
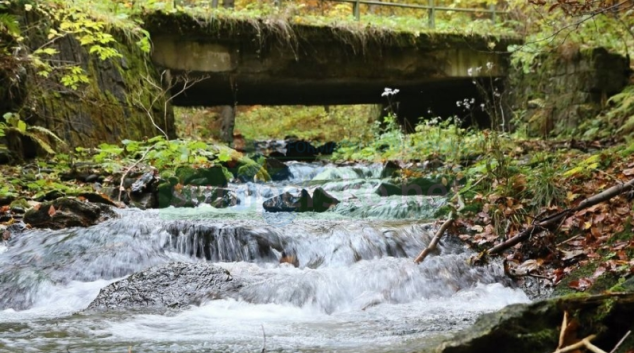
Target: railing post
column 356, row 10
column 492, row 8
column 431, row 13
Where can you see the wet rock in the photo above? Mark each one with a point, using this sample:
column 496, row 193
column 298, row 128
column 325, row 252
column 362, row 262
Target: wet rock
column 289, row 202
column 8, row 232
column 535, row 327
column 142, row 184
column 172, row 285
column 67, row 212
column 299, row 150
column 389, row 169
column 143, row 201
column 323, row 201
column 95, row 197
column 214, row 176
column 19, row 206
column 6, row 199
column 192, row 196
column 271, row 147
column 51, row 195
column 277, row 169
column 248, row 170
column 413, row 187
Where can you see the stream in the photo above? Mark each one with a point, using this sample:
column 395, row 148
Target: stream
column 356, row 287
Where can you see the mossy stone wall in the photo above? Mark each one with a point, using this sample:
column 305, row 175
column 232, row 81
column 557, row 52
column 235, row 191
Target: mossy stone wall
column 564, row 92
column 109, row 108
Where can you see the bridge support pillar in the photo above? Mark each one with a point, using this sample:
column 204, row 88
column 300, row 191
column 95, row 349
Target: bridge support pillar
column 228, row 116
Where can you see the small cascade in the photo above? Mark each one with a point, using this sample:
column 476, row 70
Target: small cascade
column 350, row 275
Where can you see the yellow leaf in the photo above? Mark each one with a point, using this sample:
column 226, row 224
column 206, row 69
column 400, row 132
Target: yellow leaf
column 571, row 196
column 587, row 225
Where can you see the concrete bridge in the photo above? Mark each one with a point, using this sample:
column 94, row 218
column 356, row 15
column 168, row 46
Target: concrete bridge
column 275, row 63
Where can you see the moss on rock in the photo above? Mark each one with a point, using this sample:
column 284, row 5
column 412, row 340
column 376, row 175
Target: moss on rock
column 110, row 108
column 535, row 327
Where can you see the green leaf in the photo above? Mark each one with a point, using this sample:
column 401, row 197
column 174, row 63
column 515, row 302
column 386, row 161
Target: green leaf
column 224, row 156
column 21, row 126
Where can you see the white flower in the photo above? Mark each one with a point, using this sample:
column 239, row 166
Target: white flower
column 389, row 92
column 470, row 71
column 489, row 65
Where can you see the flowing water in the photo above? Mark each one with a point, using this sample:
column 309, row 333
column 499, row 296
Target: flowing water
column 356, row 287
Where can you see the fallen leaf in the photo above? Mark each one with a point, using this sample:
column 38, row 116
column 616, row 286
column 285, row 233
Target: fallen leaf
column 581, row 284
column 51, row 211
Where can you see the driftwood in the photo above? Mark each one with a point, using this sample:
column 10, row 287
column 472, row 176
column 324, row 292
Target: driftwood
column 434, row 241
column 559, row 217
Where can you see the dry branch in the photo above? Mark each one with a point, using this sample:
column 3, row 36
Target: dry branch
column 554, row 219
column 121, row 188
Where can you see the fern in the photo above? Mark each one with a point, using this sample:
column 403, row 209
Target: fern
column 45, row 131
column 623, row 111
column 43, row 144
column 9, row 23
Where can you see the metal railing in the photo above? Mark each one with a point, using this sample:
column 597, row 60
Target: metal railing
column 430, row 7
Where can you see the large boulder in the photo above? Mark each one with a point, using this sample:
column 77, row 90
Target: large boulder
column 67, row 212
column 172, row 285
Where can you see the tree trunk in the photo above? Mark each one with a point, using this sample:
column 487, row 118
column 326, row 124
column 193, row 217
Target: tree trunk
column 228, row 116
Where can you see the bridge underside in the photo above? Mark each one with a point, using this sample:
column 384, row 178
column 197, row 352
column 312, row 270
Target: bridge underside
column 414, row 100
column 431, row 75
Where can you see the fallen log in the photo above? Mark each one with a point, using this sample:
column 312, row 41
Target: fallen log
column 559, row 217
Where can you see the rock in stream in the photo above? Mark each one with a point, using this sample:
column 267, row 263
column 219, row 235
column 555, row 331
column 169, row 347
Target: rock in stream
column 172, row 285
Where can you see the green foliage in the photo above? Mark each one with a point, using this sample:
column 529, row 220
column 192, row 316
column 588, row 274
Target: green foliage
column 623, row 112
column 9, row 24
column 157, row 152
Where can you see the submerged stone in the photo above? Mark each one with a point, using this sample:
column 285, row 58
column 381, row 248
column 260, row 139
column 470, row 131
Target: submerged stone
column 172, row 285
